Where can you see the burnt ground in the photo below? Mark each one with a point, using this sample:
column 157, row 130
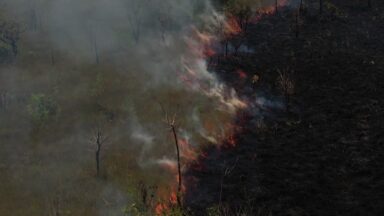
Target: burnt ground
column 325, row 155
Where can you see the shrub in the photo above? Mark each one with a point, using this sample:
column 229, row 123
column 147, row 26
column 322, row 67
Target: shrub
column 42, row 108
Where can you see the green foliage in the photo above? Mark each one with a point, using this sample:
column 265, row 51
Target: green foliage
column 42, row 108
column 10, row 35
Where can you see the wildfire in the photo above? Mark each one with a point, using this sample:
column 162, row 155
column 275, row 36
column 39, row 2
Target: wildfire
column 232, row 27
column 186, row 150
column 242, row 74
column 196, row 77
column 268, row 10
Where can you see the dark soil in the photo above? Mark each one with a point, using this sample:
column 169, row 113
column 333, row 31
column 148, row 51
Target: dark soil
column 325, row 154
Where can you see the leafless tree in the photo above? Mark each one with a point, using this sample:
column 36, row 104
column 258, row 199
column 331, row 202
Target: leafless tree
column 91, row 29
column 171, row 122
column 164, row 19
column 98, row 139
column 96, row 49
column 4, row 99
column 276, row 6
column 32, row 16
column 135, row 17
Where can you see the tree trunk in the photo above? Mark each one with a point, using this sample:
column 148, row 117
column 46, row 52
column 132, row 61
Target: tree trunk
column 98, row 143
column 226, row 49
column 52, row 57
column 96, row 52
column 178, row 166
column 14, row 47
column 321, row 6
column 287, row 102
column 3, row 100
column 297, row 24
column 301, row 5
column 276, row 6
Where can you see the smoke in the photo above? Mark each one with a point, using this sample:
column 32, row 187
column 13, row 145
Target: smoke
column 120, row 67
column 117, row 66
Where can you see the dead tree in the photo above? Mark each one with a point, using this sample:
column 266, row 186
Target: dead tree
column 4, row 100
column 135, row 18
column 297, row 27
column 172, row 126
column 301, row 6
column 321, row 7
column 276, row 6
column 32, row 14
column 96, row 49
column 243, row 16
column 52, row 57
column 99, row 140
column 93, row 40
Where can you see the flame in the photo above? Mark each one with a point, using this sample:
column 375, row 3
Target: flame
column 161, row 209
column 173, row 198
column 195, row 76
column 232, row 27
column 268, row 10
column 186, row 150
column 242, row 74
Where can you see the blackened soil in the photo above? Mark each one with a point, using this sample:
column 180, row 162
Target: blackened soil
column 325, row 155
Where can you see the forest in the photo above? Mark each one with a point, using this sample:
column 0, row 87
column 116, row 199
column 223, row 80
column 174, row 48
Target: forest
column 191, row 107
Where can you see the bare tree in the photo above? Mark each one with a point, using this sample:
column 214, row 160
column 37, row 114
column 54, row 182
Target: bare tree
column 52, row 57
column 164, row 19
column 135, row 17
column 91, row 29
column 96, row 49
column 98, row 139
column 4, row 99
column 301, row 8
column 276, row 6
column 171, row 122
column 32, row 16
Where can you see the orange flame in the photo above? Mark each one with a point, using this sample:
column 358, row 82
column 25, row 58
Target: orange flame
column 231, row 26
column 161, row 209
column 242, row 74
